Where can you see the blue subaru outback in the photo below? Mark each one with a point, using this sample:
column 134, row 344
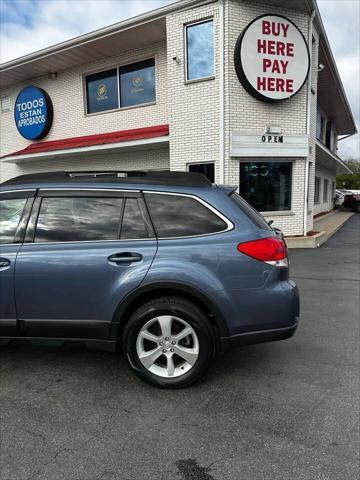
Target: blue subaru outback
column 167, row 265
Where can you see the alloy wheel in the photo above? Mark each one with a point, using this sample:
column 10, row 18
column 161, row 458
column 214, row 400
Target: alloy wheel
column 167, row 346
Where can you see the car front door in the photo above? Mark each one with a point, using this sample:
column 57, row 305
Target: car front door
column 84, row 251
column 14, row 212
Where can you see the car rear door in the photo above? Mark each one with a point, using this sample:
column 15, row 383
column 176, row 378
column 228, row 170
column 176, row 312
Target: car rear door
column 14, row 212
column 84, row 251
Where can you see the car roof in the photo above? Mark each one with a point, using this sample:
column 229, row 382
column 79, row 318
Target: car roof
column 132, row 179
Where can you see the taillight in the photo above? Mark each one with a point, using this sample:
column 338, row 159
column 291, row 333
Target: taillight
column 270, row 250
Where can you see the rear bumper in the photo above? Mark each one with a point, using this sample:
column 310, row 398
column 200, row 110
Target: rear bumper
column 259, row 336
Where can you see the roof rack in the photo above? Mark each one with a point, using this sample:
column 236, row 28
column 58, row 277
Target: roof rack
column 152, row 177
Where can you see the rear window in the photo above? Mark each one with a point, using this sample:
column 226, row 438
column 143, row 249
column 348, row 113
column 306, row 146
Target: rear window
column 181, row 216
column 250, row 212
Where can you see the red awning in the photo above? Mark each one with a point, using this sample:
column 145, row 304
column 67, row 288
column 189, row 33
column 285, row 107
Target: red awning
column 92, row 140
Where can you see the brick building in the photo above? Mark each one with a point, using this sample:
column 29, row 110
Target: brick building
column 173, row 89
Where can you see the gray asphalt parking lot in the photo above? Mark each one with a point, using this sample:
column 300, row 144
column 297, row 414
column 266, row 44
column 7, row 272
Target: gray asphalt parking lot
column 282, row 410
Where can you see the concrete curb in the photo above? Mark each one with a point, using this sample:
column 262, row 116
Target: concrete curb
column 318, row 239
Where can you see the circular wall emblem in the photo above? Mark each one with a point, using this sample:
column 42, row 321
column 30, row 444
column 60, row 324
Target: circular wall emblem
column 272, row 58
column 33, row 113
column 137, row 81
column 102, row 90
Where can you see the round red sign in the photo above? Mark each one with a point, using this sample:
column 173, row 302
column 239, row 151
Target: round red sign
column 272, row 58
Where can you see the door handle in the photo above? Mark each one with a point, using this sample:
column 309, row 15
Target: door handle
column 125, row 257
column 4, row 262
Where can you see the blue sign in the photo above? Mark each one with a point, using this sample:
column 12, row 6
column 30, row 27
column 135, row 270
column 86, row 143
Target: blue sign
column 33, row 113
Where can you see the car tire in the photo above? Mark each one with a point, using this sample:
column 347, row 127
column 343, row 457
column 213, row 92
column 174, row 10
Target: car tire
column 357, row 207
column 158, row 327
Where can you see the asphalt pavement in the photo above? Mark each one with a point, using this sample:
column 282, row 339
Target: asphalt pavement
column 284, row 410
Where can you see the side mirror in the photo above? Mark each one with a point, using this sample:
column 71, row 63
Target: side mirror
column 270, row 222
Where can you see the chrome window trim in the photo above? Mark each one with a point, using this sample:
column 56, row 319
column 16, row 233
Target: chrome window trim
column 229, row 224
column 86, row 241
column 9, row 244
column 18, row 190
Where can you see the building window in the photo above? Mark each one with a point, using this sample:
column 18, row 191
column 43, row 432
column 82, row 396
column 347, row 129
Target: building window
column 333, row 191
column 331, row 136
column 317, row 190
column 318, row 123
column 5, row 104
column 121, row 87
column 137, row 83
column 199, row 50
column 266, row 185
column 207, row 169
column 326, row 190
column 102, row 91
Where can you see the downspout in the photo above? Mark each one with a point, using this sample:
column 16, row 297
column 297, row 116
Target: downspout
column 308, row 120
column 222, row 94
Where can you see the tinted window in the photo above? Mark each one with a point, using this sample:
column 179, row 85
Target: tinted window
column 254, row 216
column 102, row 91
column 10, row 213
column 137, row 83
column 317, row 190
column 179, row 216
column 133, row 225
column 74, row 219
column 266, row 185
column 200, row 50
column 206, row 169
column 325, row 191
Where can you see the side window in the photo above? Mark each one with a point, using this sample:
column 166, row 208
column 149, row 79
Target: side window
column 75, row 219
column 180, row 216
column 133, row 226
column 10, row 214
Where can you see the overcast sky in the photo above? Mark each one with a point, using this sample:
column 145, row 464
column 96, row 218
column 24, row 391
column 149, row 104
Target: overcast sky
column 29, row 25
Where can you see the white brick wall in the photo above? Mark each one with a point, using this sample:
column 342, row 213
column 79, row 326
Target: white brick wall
column 193, row 107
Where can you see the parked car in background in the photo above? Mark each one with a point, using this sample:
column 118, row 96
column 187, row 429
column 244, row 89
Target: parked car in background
column 169, row 266
column 339, row 197
column 352, row 200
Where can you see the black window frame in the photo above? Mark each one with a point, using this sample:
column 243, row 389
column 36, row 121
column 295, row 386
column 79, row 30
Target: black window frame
column 29, row 234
